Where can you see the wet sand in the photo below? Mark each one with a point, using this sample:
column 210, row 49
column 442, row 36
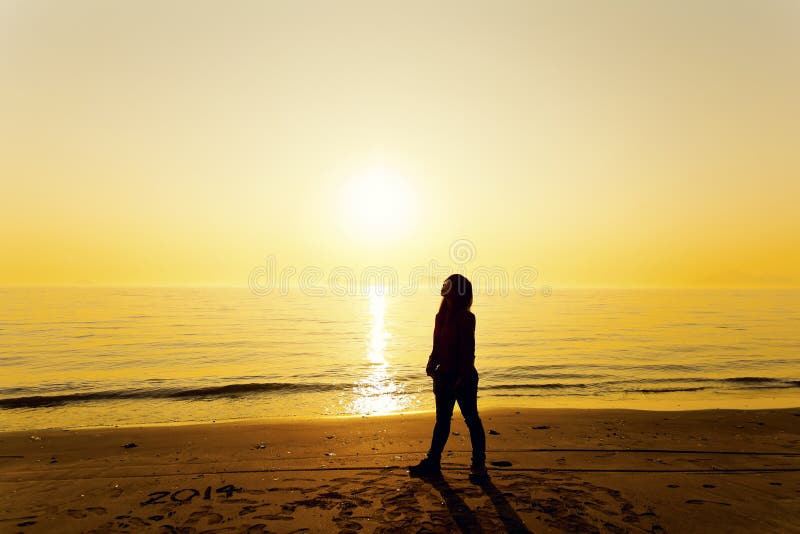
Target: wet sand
column 552, row 471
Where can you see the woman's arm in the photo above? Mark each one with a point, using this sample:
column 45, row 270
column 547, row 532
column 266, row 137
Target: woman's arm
column 433, row 360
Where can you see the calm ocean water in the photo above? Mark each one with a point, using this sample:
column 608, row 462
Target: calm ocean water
column 73, row 357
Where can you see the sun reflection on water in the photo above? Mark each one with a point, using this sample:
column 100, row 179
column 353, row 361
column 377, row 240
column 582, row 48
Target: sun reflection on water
column 378, row 393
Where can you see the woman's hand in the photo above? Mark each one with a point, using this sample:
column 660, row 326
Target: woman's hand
column 430, row 369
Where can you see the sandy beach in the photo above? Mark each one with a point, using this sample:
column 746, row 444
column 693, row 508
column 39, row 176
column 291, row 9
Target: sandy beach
column 551, row 471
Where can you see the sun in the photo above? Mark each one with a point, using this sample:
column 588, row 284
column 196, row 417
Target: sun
column 377, row 204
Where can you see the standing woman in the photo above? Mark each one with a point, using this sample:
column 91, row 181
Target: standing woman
column 455, row 379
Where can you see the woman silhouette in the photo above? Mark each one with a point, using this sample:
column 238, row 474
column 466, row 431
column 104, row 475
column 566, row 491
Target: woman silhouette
column 455, row 379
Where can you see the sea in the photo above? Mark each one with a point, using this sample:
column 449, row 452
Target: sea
column 73, row 357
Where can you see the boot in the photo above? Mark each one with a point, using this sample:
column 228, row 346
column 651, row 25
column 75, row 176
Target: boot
column 426, row 468
column 478, row 473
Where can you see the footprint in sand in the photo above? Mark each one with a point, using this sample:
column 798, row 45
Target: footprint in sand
column 700, row 501
column 274, row 517
column 350, row 526
column 138, row 522
column 250, row 509
column 80, row 514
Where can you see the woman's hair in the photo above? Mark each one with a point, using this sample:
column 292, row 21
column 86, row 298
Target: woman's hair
column 459, row 294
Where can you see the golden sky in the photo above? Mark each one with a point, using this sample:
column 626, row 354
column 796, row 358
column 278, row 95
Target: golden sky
column 614, row 143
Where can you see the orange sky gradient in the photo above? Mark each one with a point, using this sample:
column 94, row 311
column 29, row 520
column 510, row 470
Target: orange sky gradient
column 611, row 144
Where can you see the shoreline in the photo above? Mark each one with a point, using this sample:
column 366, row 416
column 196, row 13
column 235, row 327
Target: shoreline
column 485, row 405
column 551, row 470
column 310, row 419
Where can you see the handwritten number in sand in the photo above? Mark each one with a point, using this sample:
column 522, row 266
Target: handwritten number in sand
column 228, row 490
column 155, row 498
column 185, row 495
column 183, row 500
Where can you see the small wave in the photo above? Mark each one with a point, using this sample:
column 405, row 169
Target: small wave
column 534, row 386
column 664, row 390
column 529, row 394
column 783, row 385
column 254, row 387
column 42, row 401
column 512, row 376
column 664, row 380
column 751, row 379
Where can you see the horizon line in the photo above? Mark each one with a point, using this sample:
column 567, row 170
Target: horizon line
column 426, row 285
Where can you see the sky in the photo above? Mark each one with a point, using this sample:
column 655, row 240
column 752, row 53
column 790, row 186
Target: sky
column 605, row 144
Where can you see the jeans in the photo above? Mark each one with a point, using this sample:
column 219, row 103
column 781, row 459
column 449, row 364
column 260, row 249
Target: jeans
column 466, row 394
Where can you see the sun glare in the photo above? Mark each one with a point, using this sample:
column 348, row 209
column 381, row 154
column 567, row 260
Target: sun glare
column 377, row 204
column 378, row 392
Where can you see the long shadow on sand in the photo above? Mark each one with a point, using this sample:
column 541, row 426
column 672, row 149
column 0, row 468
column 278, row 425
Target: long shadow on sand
column 464, row 517
column 505, row 511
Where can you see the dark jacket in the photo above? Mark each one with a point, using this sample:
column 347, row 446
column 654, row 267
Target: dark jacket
column 454, row 344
